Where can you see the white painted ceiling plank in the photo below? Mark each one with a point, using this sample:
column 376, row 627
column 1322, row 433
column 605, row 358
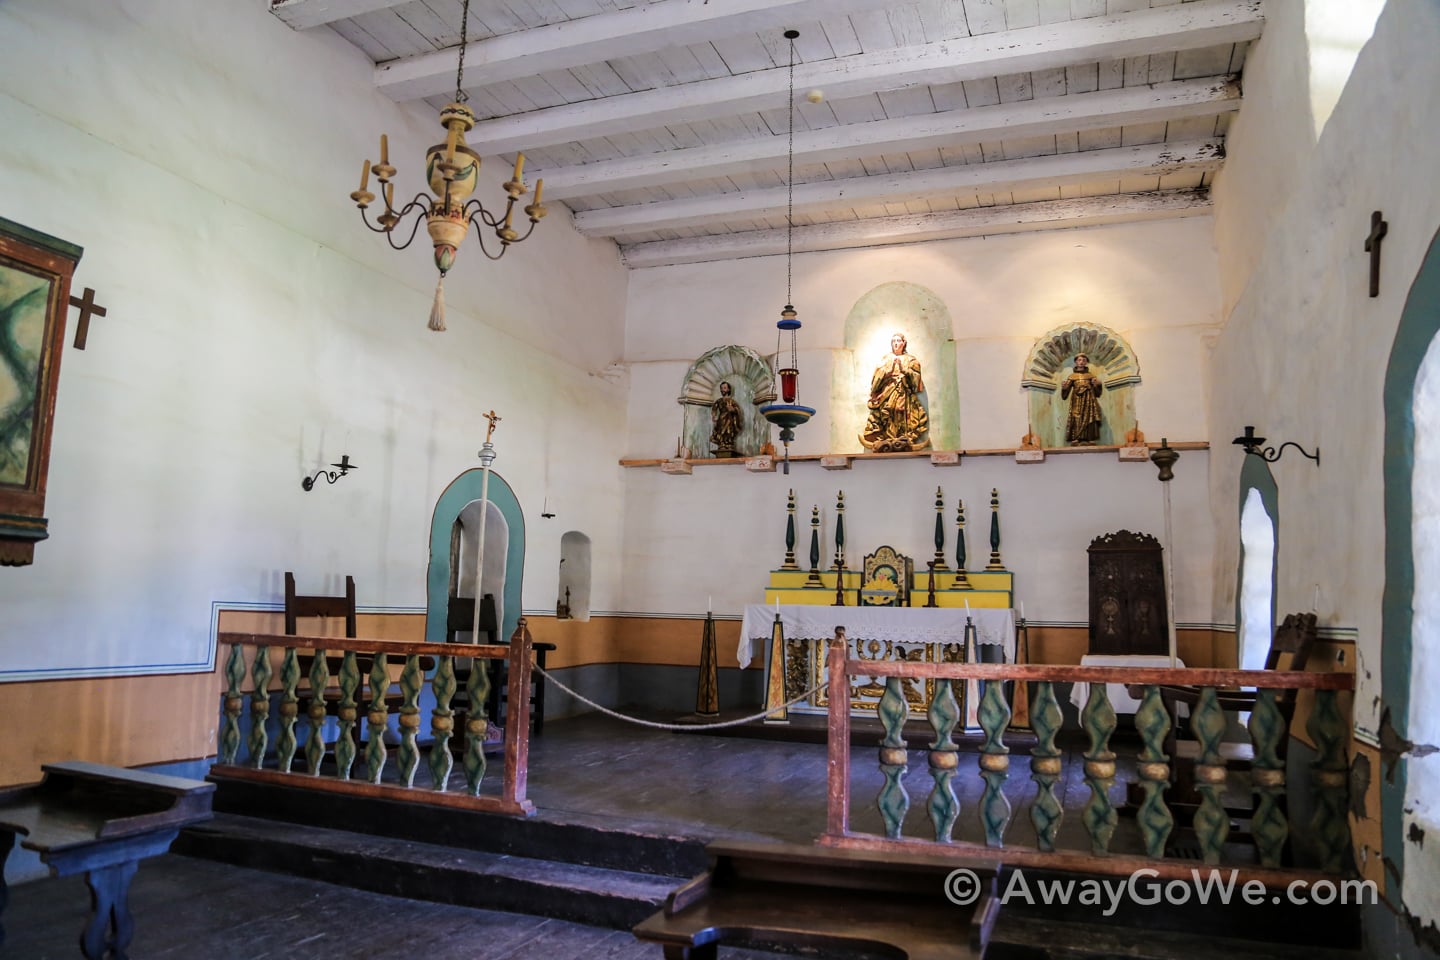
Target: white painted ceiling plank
column 607, row 36
column 961, row 223
column 1198, row 24
column 1190, row 98
column 303, row 14
column 1148, row 160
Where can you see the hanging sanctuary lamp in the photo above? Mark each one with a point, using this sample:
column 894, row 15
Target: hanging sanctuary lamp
column 452, row 170
column 788, row 413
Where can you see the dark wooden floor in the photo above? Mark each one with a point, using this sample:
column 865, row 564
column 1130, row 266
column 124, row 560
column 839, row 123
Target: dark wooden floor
column 199, row 910
column 593, row 771
column 598, row 771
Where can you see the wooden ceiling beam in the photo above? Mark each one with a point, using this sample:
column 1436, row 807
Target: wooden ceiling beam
column 303, row 14
column 1185, row 26
column 1176, row 100
column 605, row 36
column 885, row 231
column 1001, row 176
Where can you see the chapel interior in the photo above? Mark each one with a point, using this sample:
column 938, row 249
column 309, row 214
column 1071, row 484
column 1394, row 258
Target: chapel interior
column 978, row 343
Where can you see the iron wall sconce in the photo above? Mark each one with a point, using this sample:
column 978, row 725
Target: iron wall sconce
column 341, row 468
column 1255, row 445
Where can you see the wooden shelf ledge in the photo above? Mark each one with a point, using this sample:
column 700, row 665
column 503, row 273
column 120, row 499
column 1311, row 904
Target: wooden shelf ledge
column 910, row 454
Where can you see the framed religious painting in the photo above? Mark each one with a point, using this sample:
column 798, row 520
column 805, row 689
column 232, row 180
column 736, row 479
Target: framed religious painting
column 35, row 272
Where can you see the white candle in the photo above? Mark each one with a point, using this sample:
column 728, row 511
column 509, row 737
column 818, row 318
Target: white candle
column 1315, row 605
column 777, row 604
column 1022, row 609
column 967, row 606
column 709, row 607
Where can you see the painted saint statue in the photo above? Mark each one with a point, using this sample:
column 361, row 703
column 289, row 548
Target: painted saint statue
column 897, row 420
column 1082, row 388
column 726, row 421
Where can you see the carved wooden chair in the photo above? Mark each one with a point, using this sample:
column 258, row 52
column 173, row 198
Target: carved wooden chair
column 885, row 579
column 313, row 605
column 1289, row 650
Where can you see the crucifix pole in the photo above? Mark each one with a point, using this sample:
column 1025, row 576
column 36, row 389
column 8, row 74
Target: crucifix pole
column 487, row 457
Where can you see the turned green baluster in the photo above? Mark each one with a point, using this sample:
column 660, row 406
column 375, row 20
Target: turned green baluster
column 1267, row 777
column 1099, row 815
column 1154, row 818
column 412, row 678
column 289, row 710
column 478, row 689
column 315, row 743
column 348, row 711
column 1329, row 824
column 893, row 800
column 378, row 719
column 234, row 703
column 1045, row 768
column 944, row 714
column 442, row 723
column 994, row 763
column 1212, row 823
column 260, row 672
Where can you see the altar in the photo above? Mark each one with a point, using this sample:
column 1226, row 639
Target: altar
column 922, row 634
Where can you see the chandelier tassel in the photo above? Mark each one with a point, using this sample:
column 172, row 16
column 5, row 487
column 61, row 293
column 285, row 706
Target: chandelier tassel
column 437, row 312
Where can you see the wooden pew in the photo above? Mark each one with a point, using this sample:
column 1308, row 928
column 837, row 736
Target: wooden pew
column 827, row 902
column 102, row 821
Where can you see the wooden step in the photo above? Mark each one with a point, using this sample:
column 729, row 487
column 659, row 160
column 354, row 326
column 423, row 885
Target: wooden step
column 432, row 872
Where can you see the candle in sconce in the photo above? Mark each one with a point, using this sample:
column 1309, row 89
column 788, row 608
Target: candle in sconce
column 1022, row 609
column 519, row 165
column 365, row 176
column 539, row 186
column 777, row 604
column 967, row 606
column 709, row 607
column 384, row 150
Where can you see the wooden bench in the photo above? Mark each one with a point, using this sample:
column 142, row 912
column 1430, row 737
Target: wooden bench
column 825, row 901
column 102, row 821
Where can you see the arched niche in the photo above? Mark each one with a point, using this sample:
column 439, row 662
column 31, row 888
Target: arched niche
column 1050, row 362
column 575, row 574
column 750, row 382
column 446, row 562
column 1259, row 548
column 924, row 319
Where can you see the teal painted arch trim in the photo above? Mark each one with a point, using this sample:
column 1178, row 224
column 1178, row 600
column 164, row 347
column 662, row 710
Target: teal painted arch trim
column 1419, row 325
column 1255, row 475
column 461, row 491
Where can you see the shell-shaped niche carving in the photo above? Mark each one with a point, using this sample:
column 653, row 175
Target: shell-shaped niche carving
column 1049, row 364
column 750, row 384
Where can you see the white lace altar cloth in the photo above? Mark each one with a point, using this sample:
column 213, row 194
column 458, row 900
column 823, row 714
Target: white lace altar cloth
column 993, row 626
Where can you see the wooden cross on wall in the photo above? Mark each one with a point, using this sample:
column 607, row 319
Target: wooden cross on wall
column 88, row 308
column 1378, row 228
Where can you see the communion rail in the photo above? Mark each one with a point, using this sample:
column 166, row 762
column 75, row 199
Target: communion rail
column 1268, row 729
column 443, row 684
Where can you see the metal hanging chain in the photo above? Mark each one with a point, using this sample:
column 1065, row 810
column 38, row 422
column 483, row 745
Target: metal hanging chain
column 460, row 95
column 789, row 172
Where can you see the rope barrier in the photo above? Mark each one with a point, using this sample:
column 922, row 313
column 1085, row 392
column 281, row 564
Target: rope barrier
column 675, row 726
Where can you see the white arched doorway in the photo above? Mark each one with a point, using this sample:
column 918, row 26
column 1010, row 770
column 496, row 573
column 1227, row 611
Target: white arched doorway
column 1257, row 581
column 466, row 545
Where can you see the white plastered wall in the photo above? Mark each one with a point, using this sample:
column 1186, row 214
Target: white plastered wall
column 1305, row 351
column 203, row 154
column 720, row 530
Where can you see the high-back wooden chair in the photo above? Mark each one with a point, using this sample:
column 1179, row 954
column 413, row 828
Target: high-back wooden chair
column 297, row 606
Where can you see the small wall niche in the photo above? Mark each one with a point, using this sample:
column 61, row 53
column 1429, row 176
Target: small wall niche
column 1050, row 362
column 573, row 600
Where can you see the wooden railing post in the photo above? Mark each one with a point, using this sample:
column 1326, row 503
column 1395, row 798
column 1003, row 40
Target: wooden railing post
column 378, row 720
column 259, row 707
column 289, row 709
column 234, row 703
column 1212, row 823
column 315, row 743
column 838, row 745
column 517, row 716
